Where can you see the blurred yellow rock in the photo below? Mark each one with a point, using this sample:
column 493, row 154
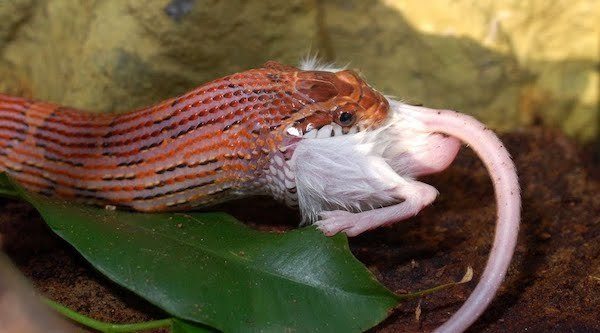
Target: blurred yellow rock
column 507, row 62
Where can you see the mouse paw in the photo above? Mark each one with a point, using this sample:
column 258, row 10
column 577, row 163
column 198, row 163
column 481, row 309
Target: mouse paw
column 336, row 221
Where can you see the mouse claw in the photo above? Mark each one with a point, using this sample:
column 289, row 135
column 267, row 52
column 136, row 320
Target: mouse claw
column 333, row 222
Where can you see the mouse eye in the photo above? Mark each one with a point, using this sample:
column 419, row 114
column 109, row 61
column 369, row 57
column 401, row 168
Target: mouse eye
column 346, row 118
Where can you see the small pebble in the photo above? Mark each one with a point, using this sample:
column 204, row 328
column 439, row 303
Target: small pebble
column 545, row 236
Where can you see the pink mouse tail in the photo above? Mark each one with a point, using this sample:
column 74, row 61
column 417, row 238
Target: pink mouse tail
column 504, row 177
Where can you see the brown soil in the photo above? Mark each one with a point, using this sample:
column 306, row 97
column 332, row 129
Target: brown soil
column 553, row 284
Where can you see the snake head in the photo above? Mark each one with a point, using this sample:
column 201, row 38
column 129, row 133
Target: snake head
column 337, row 103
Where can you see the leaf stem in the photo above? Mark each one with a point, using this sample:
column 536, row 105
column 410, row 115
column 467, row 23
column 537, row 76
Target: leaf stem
column 466, row 278
column 106, row 327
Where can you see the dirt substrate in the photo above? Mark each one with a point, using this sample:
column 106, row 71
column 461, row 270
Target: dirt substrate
column 553, row 284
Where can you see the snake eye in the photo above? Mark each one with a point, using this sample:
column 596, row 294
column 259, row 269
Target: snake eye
column 346, row 118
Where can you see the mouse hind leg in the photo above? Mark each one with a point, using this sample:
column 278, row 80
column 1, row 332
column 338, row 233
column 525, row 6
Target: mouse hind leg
column 415, row 195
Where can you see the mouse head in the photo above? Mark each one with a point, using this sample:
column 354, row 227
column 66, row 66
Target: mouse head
column 341, row 100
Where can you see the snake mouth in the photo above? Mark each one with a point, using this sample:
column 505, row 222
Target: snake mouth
column 326, row 131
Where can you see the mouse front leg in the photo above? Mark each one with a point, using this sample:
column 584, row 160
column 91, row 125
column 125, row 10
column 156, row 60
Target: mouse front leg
column 415, row 195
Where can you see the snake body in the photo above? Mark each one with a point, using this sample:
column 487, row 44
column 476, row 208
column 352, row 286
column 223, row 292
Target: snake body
column 220, row 141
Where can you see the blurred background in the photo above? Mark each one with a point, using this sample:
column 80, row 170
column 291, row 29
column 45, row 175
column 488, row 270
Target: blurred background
column 510, row 63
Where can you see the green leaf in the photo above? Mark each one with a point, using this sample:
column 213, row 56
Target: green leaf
column 211, row 269
column 7, row 190
column 181, row 326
